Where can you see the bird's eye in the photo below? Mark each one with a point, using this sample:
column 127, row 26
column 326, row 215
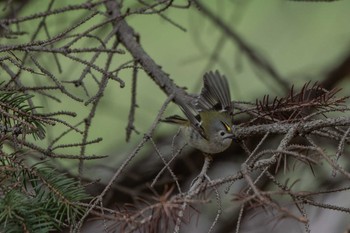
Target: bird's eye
column 222, row 133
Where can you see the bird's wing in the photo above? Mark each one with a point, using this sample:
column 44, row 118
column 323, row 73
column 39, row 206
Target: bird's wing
column 215, row 93
column 193, row 116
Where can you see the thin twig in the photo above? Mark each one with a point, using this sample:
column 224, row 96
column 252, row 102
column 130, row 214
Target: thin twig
column 126, row 162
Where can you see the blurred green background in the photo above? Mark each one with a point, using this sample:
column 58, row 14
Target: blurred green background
column 302, row 40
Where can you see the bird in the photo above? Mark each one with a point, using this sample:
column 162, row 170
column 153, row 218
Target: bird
column 208, row 123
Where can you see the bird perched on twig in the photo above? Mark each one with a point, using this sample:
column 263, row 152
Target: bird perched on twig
column 208, row 126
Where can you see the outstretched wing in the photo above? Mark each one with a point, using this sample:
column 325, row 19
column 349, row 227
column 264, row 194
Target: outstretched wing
column 215, row 93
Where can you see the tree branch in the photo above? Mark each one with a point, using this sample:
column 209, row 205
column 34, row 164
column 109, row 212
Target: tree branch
column 126, row 35
column 279, row 128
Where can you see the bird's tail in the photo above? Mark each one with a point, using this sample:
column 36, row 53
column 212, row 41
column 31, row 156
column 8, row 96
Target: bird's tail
column 175, row 119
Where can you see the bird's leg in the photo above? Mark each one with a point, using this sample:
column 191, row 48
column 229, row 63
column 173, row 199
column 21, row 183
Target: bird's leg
column 203, row 174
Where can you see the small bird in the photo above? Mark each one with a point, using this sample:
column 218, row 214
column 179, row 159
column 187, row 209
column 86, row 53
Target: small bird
column 208, row 126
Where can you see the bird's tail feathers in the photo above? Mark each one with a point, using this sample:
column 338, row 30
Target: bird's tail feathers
column 175, row 119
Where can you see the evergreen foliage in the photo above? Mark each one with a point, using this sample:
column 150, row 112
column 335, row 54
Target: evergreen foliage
column 37, row 198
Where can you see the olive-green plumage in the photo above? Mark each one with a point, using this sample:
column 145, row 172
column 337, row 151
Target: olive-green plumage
column 208, row 126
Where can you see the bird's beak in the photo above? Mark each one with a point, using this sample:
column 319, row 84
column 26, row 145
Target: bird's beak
column 230, row 136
